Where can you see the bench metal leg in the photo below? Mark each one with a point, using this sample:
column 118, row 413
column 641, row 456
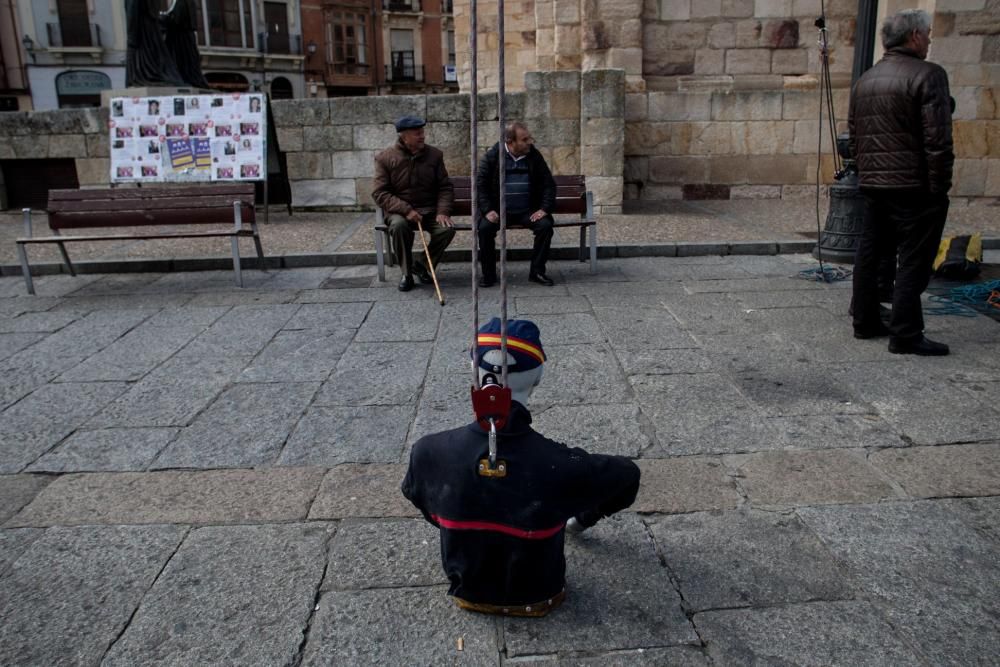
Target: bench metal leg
column 379, row 255
column 256, row 242
column 65, row 256
column 236, row 260
column 22, row 254
column 583, row 243
column 593, row 248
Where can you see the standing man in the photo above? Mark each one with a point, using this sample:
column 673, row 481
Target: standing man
column 411, row 186
column 503, row 528
column 900, row 125
column 531, row 196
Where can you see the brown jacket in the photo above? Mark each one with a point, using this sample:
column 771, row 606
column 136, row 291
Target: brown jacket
column 404, row 181
column 900, row 125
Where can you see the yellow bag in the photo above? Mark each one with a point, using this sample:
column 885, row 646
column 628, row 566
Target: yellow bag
column 959, row 257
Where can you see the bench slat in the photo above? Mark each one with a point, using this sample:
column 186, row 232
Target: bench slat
column 237, row 191
column 210, row 202
column 133, row 218
column 137, row 237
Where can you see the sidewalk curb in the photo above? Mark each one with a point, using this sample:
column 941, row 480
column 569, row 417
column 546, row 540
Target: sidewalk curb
column 359, row 258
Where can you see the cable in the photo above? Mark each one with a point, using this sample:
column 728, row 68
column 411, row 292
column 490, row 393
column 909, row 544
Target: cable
column 967, row 300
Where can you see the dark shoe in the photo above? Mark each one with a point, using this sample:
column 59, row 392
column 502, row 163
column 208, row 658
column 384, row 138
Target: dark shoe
column 423, row 274
column 879, row 331
column 487, row 282
column 923, row 347
column 541, row 279
column 406, row 284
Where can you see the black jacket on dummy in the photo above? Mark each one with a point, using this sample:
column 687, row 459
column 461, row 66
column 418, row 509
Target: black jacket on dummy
column 543, row 186
column 502, row 537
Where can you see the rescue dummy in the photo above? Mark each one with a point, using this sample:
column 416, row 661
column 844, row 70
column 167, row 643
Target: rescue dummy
column 503, row 528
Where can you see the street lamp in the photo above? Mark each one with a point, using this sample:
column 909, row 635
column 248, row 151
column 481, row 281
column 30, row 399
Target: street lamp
column 29, row 46
column 311, row 49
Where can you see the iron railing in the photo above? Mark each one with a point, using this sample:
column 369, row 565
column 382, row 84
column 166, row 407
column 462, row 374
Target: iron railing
column 404, row 73
column 401, row 5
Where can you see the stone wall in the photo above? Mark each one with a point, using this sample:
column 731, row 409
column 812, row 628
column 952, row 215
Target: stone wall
column 578, row 121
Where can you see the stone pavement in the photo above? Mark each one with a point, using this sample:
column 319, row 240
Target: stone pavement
column 194, row 474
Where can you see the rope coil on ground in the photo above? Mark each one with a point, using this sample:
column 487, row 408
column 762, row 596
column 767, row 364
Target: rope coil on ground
column 966, row 300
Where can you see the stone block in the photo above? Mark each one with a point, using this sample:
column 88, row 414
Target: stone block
column 216, row 496
column 935, row 472
column 602, row 160
column 675, row 10
column 353, row 164
column 57, row 121
column 30, row 147
column 790, row 61
column 564, row 104
column 811, row 8
column 778, row 170
column 636, row 107
column 769, row 137
column 374, row 137
column 636, row 169
column 749, row 34
column 807, row 136
column 678, row 170
column 290, row 139
column 95, row 120
column 746, row 106
column 680, row 106
column 603, row 94
column 376, row 110
column 93, row 171
column 450, row 107
column 687, row 35
column 992, row 187
column 629, row 59
column 602, row 131
column 97, row 145
column 755, row 192
column 666, row 61
column 781, row 34
column 702, row 191
column 722, row 36
column 956, row 50
column 330, row 192
column 772, row 8
column 563, row 159
column 706, row 9
column 993, row 139
column 567, row 42
column 327, row 138
column 607, row 190
column 969, row 178
column 653, row 192
column 649, row 138
column 709, row 61
column 970, row 138
column 309, row 166
column 730, row 169
column 365, row 187
column 566, row 12
column 737, row 8
column 748, row 61
column 296, row 113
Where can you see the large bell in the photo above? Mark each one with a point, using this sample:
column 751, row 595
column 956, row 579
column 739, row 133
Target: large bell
column 842, row 232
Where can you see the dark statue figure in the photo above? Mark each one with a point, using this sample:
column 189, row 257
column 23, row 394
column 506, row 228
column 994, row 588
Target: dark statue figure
column 162, row 50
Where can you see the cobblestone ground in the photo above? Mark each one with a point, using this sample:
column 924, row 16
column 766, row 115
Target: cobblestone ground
column 195, row 474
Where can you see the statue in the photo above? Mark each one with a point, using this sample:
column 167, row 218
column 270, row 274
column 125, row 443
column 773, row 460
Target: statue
column 162, row 49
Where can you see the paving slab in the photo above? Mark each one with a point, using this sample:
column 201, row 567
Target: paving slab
column 13, row 343
column 362, row 490
column 329, row 316
column 568, row 329
column 331, row 436
column 38, row 422
column 769, row 284
column 244, row 330
column 737, row 354
column 397, row 554
column 835, row 432
column 685, row 484
column 947, row 470
column 600, row 429
column 983, row 514
column 126, row 301
column 744, row 558
column 16, row 491
column 530, row 306
column 304, row 278
column 676, row 656
column 586, row 374
column 14, row 542
column 377, row 374
column 814, row 634
column 946, row 424
column 796, row 388
column 400, row 322
column 617, row 597
column 106, row 450
column 73, row 590
column 187, row 315
column 208, row 281
column 935, row 577
column 793, row 478
column 37, row 322
column 398, row 626
column 230, row 595
column 244, row 297
column 305, row 354
column 213, row 496
column 133, row 355
column 246, row 426
column 642, row 329
column 664, row 362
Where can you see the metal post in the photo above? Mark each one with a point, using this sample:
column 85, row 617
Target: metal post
column 474, row 165
column 501, row 168
column 864, row 38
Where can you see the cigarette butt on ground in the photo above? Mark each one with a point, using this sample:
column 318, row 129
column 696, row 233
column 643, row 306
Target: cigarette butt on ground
column 460, row 643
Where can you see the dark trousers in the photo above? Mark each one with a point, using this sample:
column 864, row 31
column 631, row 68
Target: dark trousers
column 908, row 225
column 542, row 229
column 402, row 233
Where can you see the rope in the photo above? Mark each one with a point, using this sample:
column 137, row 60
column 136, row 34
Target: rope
column 825, row 274
column 474, row 166
column 966, row 300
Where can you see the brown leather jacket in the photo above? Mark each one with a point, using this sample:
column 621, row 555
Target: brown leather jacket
column 404, row 181
column 900, row 124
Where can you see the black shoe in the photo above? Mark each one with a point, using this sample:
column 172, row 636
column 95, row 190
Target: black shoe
column 487, row 282
column 878, row 331
column 423, row 274
column 406, row 284
column 923, row 347
column 541, row 279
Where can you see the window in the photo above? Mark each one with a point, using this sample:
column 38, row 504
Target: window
column 451, row 47
column 81, row 88
column 347, row 36
column 401, row 65
column 224, row 24
column 74, row 24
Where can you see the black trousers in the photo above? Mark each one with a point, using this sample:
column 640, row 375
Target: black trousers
column 487, row 230
column 906, row 224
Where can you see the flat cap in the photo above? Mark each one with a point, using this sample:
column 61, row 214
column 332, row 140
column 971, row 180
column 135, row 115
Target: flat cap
column 409, row 123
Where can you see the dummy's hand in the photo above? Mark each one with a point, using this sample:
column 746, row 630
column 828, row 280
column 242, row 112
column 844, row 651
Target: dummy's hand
column 538, row 215
column 445, row 220
column 493, row 217
column 413, row 216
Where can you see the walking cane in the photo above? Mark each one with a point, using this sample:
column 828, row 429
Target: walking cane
column 430, row 264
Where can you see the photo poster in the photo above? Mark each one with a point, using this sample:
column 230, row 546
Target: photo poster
column 188, row 138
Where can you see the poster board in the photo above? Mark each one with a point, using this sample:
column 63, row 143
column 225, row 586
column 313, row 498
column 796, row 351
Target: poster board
column 188, row 138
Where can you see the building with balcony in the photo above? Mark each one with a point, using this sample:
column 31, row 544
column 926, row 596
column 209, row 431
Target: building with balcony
column 375, row 47
column 14, row 94
column 71, row 50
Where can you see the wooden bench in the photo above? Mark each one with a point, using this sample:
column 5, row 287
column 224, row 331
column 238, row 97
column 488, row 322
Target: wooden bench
column 572, row 198
column 144, row 207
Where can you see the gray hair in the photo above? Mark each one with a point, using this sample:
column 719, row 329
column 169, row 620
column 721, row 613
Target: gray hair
column 510, row 130
column 896, row 29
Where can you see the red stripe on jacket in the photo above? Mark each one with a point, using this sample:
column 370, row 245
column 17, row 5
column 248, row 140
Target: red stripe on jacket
column 498, row 528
